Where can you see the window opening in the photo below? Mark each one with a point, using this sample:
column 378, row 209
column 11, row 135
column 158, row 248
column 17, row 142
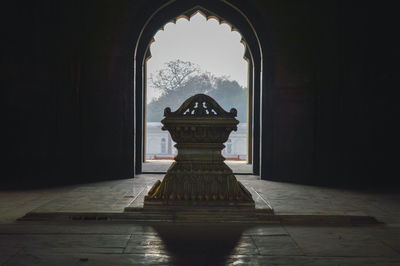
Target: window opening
column 163, row 146
column 229, row 146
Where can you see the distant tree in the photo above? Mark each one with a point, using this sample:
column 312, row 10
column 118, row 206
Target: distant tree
column 174, row 75
column 179, row 84
column 228, row 93
column 174, row 98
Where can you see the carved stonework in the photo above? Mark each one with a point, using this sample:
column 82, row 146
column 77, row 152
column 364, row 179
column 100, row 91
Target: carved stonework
column 199, row 175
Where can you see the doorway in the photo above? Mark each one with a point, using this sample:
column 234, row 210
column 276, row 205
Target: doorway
column 250, row 130
column 196, row 55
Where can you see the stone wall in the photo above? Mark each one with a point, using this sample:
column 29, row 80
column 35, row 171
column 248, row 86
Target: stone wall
column 330, row 73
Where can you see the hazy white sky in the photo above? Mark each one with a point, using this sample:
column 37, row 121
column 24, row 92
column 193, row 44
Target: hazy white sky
column 214, row 47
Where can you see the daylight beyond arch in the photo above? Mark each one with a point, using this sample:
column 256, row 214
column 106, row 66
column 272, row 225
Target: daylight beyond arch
column 214, row 47
column 191, row 57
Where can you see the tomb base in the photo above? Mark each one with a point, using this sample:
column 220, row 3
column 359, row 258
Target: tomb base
column 200, row 202
column 199, row 178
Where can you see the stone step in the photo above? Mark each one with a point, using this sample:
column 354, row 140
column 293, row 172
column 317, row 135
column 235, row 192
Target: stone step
column 257, row 217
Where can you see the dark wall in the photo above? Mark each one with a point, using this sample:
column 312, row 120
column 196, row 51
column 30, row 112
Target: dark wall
column 333, row 97
column 330, row 73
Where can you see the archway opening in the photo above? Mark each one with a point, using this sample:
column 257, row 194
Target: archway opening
column 259, row 153
column 197, row 53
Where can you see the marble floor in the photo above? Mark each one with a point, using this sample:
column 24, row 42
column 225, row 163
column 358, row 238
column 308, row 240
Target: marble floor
column 77, row 242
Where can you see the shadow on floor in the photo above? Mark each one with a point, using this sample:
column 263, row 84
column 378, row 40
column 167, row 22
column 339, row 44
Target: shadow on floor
column 200, row 244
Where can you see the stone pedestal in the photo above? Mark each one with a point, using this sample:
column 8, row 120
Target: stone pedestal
column 199, row 178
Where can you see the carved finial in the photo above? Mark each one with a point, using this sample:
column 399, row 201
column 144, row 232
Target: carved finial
column 233, row 111
column 167, row 111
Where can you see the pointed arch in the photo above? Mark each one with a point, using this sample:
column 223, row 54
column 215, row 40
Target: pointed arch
column 224, row 12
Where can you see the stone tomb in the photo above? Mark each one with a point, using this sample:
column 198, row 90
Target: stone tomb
column 199, row 178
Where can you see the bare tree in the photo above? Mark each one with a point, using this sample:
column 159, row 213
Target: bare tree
column 179, row 80
column 174, row 75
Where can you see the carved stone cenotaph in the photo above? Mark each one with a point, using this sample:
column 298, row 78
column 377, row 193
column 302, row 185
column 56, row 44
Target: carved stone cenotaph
column 199, row 178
